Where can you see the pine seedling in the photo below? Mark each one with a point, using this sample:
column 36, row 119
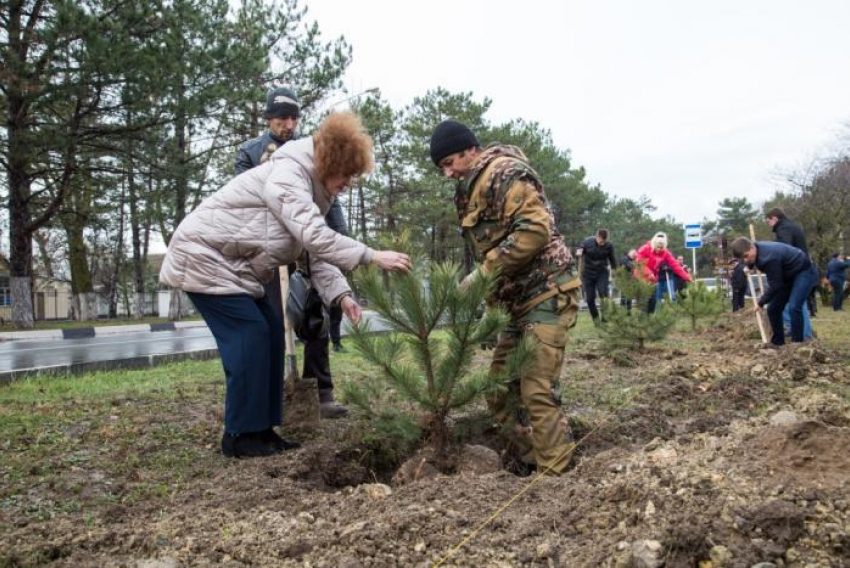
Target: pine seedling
column 633, row 329
column 700, row 303
column 433, row 372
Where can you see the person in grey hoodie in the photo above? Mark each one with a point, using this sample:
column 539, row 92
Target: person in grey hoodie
column 228, row 247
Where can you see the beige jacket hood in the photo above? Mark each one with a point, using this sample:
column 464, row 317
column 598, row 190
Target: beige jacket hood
column 262, row 219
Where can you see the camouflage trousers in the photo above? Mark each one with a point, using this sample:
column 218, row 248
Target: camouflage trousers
column 543, row 438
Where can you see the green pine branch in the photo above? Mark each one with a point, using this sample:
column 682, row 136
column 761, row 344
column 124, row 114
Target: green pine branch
column 698, row 302
column 430, row 371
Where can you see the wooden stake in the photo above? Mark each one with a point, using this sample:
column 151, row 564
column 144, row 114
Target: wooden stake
column 288, row 336
column 301, row 396
column 755, row 302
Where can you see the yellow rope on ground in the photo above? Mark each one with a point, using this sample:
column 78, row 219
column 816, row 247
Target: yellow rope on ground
column 510, row 501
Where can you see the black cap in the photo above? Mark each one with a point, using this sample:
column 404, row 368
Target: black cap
column 450, row 137
column 280, row 102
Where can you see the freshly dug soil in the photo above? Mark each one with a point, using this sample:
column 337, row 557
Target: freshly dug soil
column 720, row 453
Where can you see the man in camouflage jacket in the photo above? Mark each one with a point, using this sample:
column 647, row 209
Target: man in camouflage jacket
column 505, row 218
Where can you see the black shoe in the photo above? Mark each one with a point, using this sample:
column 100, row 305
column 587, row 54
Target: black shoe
column 247, row 445
column 332, row 410
column 338, row 348
column 271, row 438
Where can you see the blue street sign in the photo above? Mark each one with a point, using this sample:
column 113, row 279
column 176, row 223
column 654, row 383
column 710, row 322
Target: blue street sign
column 693, row 236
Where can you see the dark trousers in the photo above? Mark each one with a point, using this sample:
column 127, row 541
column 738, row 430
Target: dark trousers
column 793, row 293
column 738, row 300
column 250, row 340
column 335, row 314
column 596, row 285
column 837, row 294
column 317, row 361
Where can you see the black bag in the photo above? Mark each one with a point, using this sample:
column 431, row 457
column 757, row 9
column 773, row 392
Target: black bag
column 305, row 309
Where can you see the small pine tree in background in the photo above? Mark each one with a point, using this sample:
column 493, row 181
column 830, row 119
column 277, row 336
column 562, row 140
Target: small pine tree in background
column 432, row 372
column 700, row 303
column 632, row 329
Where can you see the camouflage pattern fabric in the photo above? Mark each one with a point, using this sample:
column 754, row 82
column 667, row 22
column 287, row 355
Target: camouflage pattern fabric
column 505, row 217
column 537, row 430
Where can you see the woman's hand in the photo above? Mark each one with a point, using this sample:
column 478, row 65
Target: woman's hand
column 351, row 309
column 391, row 260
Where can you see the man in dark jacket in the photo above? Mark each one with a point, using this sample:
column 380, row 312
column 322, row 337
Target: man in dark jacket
column 596, row 253
column 282, row 114
column 788, row 232
column 836, row 276
column 739, row 285
column 791, row 275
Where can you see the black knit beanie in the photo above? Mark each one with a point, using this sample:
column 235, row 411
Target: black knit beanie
column 450, row 137
column 281, row 102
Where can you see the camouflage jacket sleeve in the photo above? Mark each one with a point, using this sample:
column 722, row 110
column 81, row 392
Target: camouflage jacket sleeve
column 526, row 220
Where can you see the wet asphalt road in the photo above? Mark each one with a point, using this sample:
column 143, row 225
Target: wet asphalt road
column 38, row 355
column 129, row 350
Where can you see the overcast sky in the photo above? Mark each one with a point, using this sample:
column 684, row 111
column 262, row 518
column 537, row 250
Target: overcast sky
column 685, row 102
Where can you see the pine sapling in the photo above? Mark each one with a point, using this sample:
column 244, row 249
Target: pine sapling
column 431, row 371
column 700, row 303
column 634, row 328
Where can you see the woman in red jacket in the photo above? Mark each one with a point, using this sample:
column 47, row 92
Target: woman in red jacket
column 651, row 257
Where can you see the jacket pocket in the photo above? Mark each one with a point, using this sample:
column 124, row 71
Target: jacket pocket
column 554, row 335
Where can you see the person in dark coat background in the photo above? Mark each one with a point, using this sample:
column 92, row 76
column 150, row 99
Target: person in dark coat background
column 739, row 285
column 836, row 276
column 597, row 254
column 785, row 230
column 628, row 262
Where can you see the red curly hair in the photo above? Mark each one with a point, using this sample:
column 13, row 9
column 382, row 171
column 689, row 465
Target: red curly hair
column 342, row 146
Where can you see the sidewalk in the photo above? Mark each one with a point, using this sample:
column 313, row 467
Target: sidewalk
column 96, row 331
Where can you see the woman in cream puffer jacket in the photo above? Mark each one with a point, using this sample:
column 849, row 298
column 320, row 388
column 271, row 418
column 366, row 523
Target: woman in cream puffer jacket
column 223, row 252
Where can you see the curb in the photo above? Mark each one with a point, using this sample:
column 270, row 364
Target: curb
column 99, row 331
column 146, row 362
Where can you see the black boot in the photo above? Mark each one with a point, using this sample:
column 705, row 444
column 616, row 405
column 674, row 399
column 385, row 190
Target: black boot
column 247, row 445
column 271, row 438
column 338, row 348
column 328, row 406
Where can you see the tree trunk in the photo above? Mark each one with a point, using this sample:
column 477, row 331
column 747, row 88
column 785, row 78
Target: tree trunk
column 177, row 307
column 20, row 236
column 43, row 241
column 468, row 258
column 22, row 310
column 81, row 280
column 117, row 261
column 391, row 223
column 135, row 228
column 85, row 306
column 362, row 205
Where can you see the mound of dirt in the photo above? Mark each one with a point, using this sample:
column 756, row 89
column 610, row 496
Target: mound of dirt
column 807, row 454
